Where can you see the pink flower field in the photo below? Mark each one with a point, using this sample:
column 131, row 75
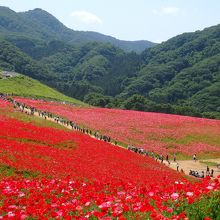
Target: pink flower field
column 162, row 133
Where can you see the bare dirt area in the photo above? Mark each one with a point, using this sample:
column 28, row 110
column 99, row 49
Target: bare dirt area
column 187, row 165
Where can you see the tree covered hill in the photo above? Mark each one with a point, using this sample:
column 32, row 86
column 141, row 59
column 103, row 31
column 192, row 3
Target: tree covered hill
column 181, row 75
column 13, row 59
column 176, row 70
column 39, row 24
column 182, row 70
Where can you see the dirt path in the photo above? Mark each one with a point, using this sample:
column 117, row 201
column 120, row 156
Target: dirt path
column 186, row 165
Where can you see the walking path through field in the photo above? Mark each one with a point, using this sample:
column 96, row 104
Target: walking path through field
column 26, row 110
column 188, row 165
column 185, row 165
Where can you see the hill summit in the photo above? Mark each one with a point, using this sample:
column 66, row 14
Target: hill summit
column 41, row 24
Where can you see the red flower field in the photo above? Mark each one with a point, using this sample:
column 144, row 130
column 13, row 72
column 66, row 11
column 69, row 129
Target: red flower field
column 48, row 173
column 60, row 153
column 162, row 133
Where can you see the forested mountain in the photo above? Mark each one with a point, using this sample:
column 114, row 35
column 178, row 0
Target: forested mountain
column 13, row 59
column 37, row 24
column 181, row 75
column 183, row 70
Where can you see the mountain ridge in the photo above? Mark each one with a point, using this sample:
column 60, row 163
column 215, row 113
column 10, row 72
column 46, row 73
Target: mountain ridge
column 44, row 25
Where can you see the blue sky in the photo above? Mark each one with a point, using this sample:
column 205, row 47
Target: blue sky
column 156, row 20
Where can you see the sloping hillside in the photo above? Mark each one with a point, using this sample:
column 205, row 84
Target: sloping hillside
column 181, row 71
column 21, row 85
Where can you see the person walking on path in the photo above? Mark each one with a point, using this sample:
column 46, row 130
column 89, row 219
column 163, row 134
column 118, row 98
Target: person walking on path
column 207, row 171
column 212, row 173
column 194, row 157
column 177, row 166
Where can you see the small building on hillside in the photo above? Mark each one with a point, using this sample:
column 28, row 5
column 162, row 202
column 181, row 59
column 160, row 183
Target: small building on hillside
column 8, row 74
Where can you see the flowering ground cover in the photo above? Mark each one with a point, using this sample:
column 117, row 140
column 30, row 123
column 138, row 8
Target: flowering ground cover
column 73, row 199
column 52, row 151
column 162, row 133
column 49, row 173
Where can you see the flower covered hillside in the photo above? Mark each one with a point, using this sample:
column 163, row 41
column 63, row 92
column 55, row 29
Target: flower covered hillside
column 162, row 133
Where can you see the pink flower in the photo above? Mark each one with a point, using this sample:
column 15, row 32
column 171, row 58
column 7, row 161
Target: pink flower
column 121, row 193
column 23, row 217
column 151, row 194
column 209, row 187
column 87, row 203
column 169, row 210
column 11, row 214
column 174, row 196
column 79, row 208
column 59, row 213
column 189, row 194
column 21, row 194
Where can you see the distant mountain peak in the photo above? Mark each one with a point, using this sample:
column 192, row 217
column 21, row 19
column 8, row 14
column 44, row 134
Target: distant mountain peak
column 38, row 9
column 38, row 13
column 43, row 25
column 5, row 8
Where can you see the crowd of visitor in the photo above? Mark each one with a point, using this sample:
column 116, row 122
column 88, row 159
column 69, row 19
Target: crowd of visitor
column 60, row 120
column 202, row 174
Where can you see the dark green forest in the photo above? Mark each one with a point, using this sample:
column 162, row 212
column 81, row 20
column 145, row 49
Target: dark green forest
column 179, row 76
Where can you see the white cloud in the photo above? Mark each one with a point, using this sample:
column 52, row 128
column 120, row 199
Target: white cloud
column 86, row 17
column 170, row 10
column 167, row 11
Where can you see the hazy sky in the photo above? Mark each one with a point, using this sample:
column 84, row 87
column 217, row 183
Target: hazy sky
column 155, row 20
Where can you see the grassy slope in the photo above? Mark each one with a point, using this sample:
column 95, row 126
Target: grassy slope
column 25, row 86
